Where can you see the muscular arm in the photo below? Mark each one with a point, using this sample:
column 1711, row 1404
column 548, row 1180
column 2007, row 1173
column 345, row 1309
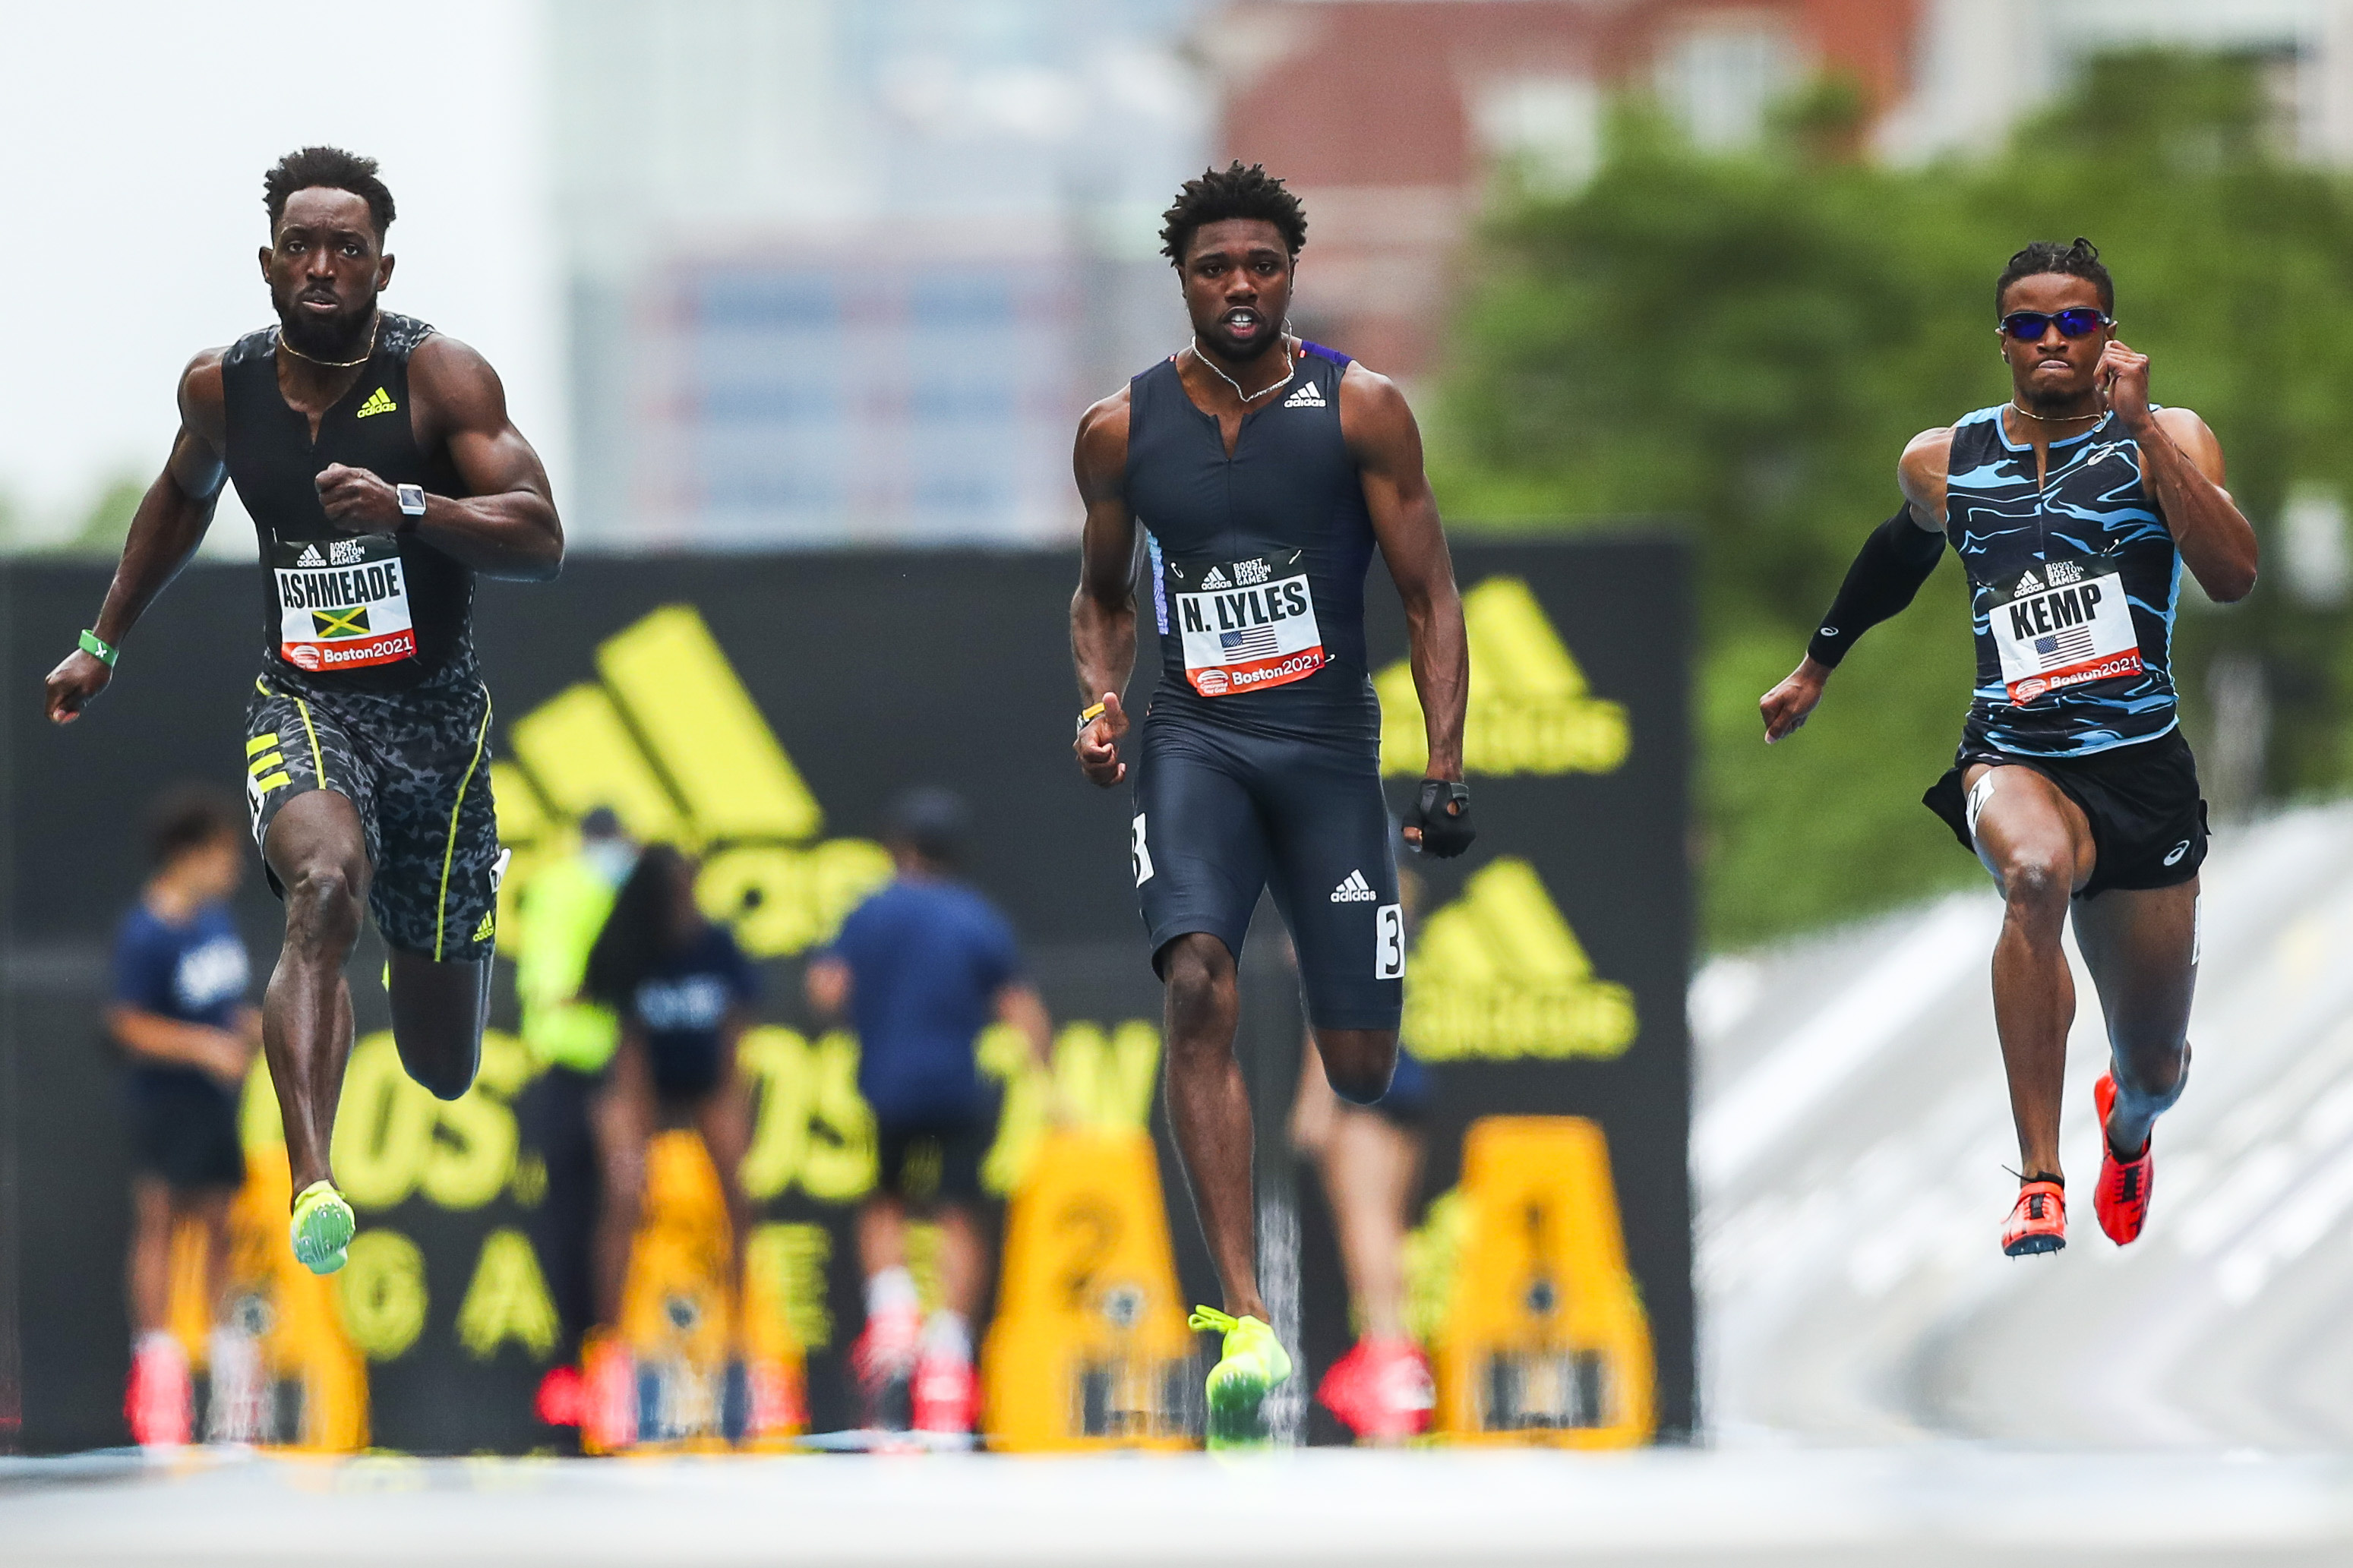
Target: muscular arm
column 2181, row 463
column 508, row 526
column 1102, row 611
column 1382, row 436
column 1921, row 472
column 164, row 532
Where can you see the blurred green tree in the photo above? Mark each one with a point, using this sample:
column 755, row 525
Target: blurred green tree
column 107, row 522
column 1748, row 341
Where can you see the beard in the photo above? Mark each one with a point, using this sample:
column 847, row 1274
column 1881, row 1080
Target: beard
column 342, row 336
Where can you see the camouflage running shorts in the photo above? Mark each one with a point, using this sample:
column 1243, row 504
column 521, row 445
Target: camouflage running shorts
column 416, row 763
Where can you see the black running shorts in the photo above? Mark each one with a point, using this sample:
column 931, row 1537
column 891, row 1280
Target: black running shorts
column 928, row 1162
column 2149, row 825
column 183, row 1130
column 1221, row 814
column 416, row 764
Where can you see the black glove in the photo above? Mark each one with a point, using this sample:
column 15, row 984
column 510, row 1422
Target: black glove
column 1443, row 814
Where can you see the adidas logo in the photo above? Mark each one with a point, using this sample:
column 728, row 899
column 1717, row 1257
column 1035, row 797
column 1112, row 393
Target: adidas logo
column 488, row 928
column 310, row 557
column 1216, row 579
column 2029, row 583
column 1499, row 974
column 1531, row 711
column 668, row 736
column 1309, row 396
column 379, row 402
column 1354, row 889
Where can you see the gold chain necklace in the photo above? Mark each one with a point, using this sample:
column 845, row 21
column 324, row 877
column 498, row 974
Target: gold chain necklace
column 335, row 363
column 2053, row 418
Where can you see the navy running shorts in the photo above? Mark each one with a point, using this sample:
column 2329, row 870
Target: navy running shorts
column 1221, row 814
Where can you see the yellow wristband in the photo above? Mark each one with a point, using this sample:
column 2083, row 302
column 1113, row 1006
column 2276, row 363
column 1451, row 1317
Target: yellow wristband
column 1090, row 715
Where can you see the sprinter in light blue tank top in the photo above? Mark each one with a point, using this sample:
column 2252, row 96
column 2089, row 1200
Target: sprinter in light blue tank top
column 2073, row 507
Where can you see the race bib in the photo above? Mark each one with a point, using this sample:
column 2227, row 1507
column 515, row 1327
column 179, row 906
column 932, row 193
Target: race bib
column 2062, row 624
column 342, row 603
column 1245, row 624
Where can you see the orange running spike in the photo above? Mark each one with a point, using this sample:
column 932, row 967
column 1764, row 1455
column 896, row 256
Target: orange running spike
column 2121, row 1200
column 2038, row 1223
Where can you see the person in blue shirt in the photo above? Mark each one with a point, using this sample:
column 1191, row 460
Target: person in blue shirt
column 683, row 992
column 178, row 1009
column 921, row 968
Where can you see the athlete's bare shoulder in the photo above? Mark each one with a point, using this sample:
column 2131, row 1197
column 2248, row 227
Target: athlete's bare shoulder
column 1100, row 456
column 1922, row 470
column 454, row 385
column 2195, row 438
column 1375, row 419
column 203, row 396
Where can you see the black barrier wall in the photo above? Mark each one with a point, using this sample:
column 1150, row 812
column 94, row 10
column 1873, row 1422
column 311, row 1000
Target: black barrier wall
column 1547, row 975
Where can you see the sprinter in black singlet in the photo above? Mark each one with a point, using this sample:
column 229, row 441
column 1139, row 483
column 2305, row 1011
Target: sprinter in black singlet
column 382, row 474
column 2073, row 507
column 1264, row 471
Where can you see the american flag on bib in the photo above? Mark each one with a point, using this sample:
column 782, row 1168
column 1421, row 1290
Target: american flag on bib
column 1256, row 643
column 2076, row 641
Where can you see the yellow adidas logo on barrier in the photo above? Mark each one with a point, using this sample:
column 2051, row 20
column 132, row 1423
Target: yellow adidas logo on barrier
column 379, row 402
column 1531, row 709
column 668, row 736
column 1498, row 974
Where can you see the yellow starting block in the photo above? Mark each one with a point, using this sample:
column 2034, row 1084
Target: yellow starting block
column 703, row 1378
column 1545, row 1339
column 1089, row 1349
column 314, row 1384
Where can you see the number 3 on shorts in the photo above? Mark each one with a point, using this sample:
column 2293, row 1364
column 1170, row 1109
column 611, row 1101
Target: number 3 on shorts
column 1137, row 853
column 1388, row 942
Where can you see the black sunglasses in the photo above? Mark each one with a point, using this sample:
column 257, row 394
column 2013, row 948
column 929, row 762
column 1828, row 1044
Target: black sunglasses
column 2081, row 321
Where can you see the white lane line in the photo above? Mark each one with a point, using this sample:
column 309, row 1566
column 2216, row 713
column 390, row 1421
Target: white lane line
column 1875, row 1009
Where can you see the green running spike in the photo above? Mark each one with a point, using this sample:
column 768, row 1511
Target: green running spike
column 1253, row 1365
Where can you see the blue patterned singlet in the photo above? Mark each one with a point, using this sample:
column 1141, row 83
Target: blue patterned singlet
column 2073, row 587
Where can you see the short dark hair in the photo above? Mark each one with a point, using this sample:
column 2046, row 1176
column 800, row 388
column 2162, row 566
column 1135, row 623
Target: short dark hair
column 331, row 168
column 1235, row 193
column 2081, row 259
column 931, row 822
column 185, row 818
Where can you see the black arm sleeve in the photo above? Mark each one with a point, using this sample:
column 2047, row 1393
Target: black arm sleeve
column 1896, row 560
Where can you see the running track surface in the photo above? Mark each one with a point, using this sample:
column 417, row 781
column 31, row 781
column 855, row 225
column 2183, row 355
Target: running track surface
column 1850, row 1146
column 1938, row 1505
column 1880, row 1384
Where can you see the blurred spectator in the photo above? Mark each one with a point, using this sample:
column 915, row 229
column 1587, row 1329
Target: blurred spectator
column 179, row 1012
column 566, row 1112
column 1370, row 1158
column 921, row 968
column 683, row 993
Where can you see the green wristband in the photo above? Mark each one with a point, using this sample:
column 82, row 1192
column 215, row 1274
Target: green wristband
column 96, row 647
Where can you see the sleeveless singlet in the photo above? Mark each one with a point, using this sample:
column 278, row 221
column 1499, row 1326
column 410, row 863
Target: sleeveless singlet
column 1257, row 560
column 372, row 612
column 2074, row 585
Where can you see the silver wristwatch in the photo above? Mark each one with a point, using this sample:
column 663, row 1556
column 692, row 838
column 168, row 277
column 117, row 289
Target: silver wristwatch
column 412, row 500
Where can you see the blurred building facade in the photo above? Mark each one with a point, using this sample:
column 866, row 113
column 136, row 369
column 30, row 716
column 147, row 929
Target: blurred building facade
column 847, row 270
column 1390, row 117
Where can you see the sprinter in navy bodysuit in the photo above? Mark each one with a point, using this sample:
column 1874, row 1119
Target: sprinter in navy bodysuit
column 1264, row 472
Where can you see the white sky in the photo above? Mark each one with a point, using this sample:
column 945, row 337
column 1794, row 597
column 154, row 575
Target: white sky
column 134, row 134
